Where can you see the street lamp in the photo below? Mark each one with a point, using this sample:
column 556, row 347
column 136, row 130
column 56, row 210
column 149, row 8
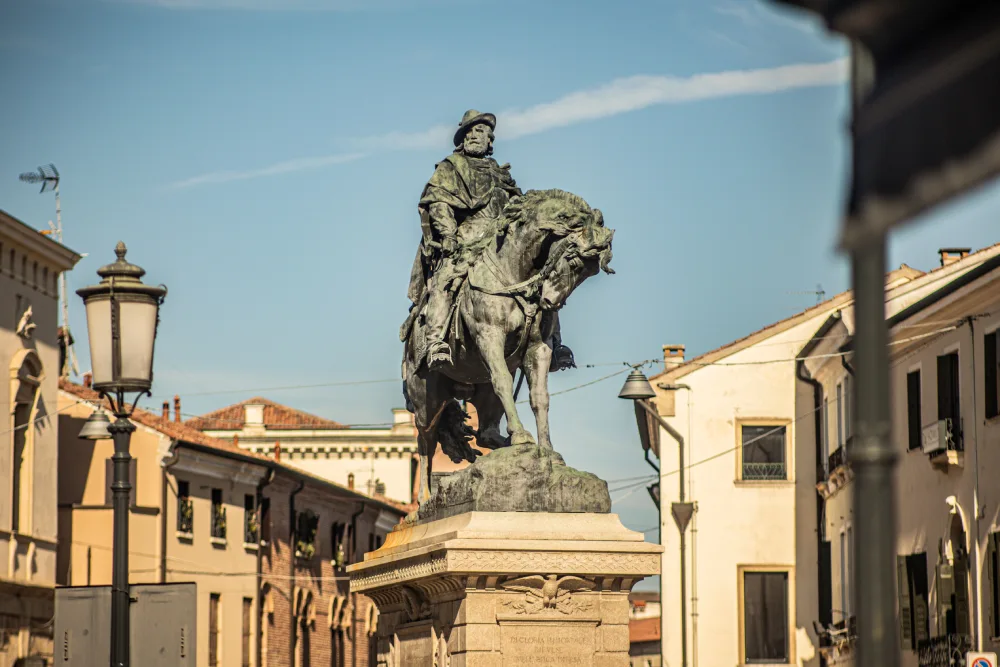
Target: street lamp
column 638, row 390
column 122, row 318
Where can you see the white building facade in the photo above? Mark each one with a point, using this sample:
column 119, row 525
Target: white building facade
column 376, row 461
column 754, row 549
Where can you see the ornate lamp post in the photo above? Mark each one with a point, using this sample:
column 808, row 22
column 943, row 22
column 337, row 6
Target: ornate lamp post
column 122, row 318
column 638, row 390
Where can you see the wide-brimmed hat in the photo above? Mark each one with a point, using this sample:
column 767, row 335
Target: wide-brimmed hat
column 470, row 118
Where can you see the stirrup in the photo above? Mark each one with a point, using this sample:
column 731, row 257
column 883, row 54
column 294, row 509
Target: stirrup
column 439, row 355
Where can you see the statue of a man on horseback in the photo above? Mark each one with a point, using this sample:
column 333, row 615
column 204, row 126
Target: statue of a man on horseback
column 494, row 268
column 458, row 209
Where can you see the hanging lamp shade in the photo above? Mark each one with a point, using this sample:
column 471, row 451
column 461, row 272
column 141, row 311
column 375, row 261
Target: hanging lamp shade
column 636, row 387
column 96, row 427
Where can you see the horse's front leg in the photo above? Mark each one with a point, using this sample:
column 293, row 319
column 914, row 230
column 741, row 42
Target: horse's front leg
column 491, row 346
column 536, row 364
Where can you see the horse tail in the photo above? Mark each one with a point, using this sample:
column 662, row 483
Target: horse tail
column 454, row 433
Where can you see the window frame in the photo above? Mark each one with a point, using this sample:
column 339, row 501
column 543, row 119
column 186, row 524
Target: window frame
column 789, row 459
column 956, row 396
column 790, row 611
column 214, row 629
column 991, row 374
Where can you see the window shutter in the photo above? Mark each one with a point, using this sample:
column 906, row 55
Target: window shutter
column 945, row 588
column 990, row 373
column 914, row 418
column 989, row 585
column 917, row 566
column 903, row 592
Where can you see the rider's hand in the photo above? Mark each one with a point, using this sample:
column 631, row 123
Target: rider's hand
column 450, row 245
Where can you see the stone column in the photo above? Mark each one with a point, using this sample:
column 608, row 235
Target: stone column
column 514, row 589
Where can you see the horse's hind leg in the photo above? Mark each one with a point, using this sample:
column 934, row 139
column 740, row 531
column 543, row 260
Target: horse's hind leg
column 425, row 403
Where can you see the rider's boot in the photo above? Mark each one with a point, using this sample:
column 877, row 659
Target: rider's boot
column 438, row 350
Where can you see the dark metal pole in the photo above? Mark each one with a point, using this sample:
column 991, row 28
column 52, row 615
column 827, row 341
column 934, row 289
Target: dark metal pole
column 873, row 458
column 121, row 431
column 682, row 515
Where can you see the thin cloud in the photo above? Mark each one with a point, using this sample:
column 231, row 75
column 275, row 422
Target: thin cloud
column 612, row 99
column 284, row 5
column 288, row 166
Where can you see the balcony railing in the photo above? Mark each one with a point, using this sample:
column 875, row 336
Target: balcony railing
column 185, row 515
column 251, row 533
column 763, row 471
column 219, row 522
column 946, row 651
column 837, row 458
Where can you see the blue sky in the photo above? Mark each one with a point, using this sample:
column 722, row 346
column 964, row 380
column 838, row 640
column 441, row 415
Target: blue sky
column 263, row 158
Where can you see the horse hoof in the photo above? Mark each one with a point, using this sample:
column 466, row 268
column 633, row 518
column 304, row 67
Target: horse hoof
column 522, row 438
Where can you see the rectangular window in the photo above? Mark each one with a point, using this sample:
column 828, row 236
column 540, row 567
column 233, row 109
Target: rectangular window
column 185, row 508
column 213, row 630
column 848, row 406
column 844, row 613
column 247, row 616
column 763, row 452
column 992, row 569
column 911, row 582
column 251, row 534
column 913, row 418
column 765, row 617
column 218, row 515
column 337, row 546
column 840, row 415
column 992, row 376
column 849, row 579
column 948, row 390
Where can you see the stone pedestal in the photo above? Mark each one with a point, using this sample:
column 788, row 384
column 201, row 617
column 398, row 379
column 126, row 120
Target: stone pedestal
column 506, row 589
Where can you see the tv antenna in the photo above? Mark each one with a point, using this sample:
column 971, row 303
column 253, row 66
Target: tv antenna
column 48, row 176
column 819, row 292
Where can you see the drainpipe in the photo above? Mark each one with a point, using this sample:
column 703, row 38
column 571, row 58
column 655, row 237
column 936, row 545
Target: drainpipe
column 354, row 606
column 291, row 565
column 976, row 510
column 265, row 480
column 166, row 464
column 802, row 374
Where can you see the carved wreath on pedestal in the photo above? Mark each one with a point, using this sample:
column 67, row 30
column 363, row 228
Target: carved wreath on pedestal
column 548, row 593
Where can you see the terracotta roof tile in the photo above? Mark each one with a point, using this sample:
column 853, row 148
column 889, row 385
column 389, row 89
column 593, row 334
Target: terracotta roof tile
column 644, row 630
column 186, row 433
column 276, row 417
column 178, row 431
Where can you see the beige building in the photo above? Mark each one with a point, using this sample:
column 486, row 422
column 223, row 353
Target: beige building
column 753, row 551
column 191, row 519
column 376, row 460
column 946, row 425
column 30, row 264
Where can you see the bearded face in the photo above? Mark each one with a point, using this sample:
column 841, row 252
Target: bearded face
column 478, row 140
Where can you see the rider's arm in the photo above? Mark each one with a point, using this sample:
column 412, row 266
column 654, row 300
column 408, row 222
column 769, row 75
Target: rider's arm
column 443, row 220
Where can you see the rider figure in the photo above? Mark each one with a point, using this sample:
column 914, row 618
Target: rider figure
column 458, row 207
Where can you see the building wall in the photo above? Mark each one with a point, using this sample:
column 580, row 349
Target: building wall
column 223, row 566
column 86, row 528
column 740, row 524
column 310, row 616
column 30, row 265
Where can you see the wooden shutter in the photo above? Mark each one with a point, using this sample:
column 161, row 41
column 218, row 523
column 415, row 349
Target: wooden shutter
column 247, row 614
column 990, row 585
column 905, row 614
column 991, row 376
column 945, row 589
column 213, row 630
column 913, row 417
column 917, row 567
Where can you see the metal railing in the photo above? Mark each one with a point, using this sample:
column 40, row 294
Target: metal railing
column 763, row 471
column 944, row 651
column 219, row 521
column 185, row 515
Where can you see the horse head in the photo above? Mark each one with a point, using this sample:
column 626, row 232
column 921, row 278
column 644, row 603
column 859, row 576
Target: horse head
column 575, row 246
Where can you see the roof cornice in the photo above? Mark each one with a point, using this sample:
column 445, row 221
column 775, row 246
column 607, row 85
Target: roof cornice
column 37, row 243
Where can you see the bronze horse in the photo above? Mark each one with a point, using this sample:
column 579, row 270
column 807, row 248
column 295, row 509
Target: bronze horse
column 547, row 243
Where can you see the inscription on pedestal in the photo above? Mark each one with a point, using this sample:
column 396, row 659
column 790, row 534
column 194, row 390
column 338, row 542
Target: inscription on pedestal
column 547, row 644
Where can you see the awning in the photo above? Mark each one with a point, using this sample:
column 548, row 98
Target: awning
column 929, row 128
